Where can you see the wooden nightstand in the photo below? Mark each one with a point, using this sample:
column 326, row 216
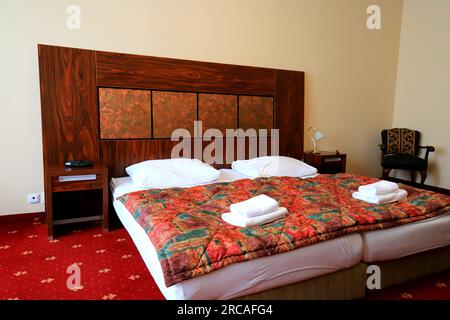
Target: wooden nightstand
column 74, row 195
column 326, row 162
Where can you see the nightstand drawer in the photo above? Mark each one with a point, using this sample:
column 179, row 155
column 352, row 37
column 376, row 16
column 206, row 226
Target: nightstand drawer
column 66, row 182
column 332, row 159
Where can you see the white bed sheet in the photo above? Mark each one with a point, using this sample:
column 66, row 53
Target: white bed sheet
column 405, row 240
column 247, row 277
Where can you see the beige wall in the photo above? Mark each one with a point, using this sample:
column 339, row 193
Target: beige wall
column 423, row 84
column 350, row 71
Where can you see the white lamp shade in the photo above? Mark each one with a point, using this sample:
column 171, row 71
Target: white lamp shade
column 318, row 135
column 315, row 135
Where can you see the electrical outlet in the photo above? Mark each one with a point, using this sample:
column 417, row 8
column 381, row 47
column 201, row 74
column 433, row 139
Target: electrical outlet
column 33, row 198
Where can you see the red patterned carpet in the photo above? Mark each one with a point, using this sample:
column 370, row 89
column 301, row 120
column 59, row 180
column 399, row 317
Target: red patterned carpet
column 32, row 267
column 433, row 287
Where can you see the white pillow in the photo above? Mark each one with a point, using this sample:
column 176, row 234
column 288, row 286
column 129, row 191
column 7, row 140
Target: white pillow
column 273, row 166
column 171, row 173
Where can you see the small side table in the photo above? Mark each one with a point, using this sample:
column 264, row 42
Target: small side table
column 326, row 161
column 74, row 195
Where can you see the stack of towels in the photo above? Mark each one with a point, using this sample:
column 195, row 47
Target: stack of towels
column 380, row 192
column 254, row 211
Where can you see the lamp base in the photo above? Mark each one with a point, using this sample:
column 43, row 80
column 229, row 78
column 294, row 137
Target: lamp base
column 314, row 150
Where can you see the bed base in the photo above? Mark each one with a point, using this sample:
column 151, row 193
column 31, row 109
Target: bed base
column 341, row 285
column 414, row 266
column 351, row 283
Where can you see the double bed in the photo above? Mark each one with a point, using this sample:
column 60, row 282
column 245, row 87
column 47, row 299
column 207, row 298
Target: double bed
column 345, row 257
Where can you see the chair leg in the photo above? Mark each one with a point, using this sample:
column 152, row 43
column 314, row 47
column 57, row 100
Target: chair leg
column 413, row 176
column 386, row 173
column 423, row 176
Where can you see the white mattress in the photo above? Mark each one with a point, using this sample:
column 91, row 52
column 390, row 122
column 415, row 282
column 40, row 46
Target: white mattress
column 247, row 277
column 404, row 240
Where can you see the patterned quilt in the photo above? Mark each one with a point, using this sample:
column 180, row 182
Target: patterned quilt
column 191, row 239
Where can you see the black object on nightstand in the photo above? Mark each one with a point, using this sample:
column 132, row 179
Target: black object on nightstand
column 326, row 161
column 78, row 163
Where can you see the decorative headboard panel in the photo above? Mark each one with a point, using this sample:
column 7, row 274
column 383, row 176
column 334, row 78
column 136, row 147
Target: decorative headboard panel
column 121, row 108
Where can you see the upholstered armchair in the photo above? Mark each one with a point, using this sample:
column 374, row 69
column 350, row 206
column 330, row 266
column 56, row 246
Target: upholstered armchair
column 400, row 150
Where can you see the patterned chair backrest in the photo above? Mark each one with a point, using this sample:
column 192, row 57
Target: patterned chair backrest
column 401, row 141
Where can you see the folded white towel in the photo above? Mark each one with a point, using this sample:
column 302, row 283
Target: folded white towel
column 239, row 220
column 255, row 206
column 382, row 199
column 379, row 188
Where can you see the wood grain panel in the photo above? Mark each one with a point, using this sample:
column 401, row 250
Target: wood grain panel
column 173, row 110
column 136, row 71
column 68, row 104
column 289, row 112
column 237, row 149
column 217, row 111
column 255, row 112
column 124, row 113
column 118, row 154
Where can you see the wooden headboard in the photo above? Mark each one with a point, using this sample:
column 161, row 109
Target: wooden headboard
column 120, row 108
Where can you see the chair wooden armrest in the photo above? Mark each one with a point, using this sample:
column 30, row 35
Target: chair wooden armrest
column 429, row 149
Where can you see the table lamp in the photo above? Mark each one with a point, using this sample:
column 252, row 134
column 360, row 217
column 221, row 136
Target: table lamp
column 315, row 135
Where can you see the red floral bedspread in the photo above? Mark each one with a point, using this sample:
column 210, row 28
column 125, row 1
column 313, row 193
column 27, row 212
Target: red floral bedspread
column 191, row 239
